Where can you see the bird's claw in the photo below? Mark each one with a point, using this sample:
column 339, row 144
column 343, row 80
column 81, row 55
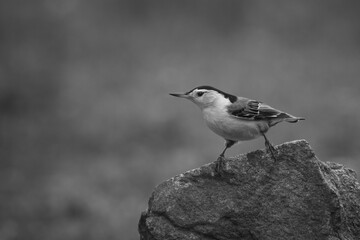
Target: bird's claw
column 219, row 165
column 272, row 150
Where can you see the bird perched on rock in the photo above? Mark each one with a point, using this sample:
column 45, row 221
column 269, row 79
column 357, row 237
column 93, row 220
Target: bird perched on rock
column 236, row 118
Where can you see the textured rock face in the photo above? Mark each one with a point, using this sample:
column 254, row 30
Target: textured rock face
column 296, row 197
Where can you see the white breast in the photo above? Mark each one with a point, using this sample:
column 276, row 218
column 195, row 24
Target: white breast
column 232, row 128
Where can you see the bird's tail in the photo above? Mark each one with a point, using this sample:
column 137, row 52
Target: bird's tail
column 285, row 117
column 293, row 119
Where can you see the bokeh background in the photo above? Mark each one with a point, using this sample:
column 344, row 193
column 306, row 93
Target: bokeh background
column 88, row 128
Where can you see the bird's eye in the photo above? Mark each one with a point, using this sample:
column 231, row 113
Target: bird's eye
column 199, row 94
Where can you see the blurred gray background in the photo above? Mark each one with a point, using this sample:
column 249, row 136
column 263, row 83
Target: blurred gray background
column 88, row 128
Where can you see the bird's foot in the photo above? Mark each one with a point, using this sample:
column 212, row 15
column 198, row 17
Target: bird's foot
column 270, row 148
column 219, row 165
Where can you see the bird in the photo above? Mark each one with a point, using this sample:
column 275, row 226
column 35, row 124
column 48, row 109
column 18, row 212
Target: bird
column 236, row 118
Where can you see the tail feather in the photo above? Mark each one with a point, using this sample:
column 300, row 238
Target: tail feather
column 293, row 119
column 285, row 117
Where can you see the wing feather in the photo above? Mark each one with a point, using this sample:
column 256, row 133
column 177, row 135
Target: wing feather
column 248, row 109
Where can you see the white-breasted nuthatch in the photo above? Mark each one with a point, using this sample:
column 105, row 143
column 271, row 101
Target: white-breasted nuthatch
column 236, row 118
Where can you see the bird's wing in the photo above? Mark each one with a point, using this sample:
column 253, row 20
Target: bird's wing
column 249, row 109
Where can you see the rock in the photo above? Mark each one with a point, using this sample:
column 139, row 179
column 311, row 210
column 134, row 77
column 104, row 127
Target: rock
column 296, row 197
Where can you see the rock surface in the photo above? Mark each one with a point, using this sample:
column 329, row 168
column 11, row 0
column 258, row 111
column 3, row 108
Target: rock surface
column 296, row 197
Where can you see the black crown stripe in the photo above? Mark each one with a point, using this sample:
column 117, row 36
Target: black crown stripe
column 232, row 98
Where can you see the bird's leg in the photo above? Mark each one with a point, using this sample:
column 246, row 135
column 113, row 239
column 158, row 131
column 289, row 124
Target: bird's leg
column 220, row 162
column 228, row 144
column 222, row 155
column 269, row 146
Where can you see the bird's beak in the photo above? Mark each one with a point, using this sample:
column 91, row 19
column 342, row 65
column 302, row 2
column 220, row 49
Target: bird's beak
column 180, row 95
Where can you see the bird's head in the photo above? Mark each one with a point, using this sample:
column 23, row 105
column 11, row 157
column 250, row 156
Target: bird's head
column 206, row 96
